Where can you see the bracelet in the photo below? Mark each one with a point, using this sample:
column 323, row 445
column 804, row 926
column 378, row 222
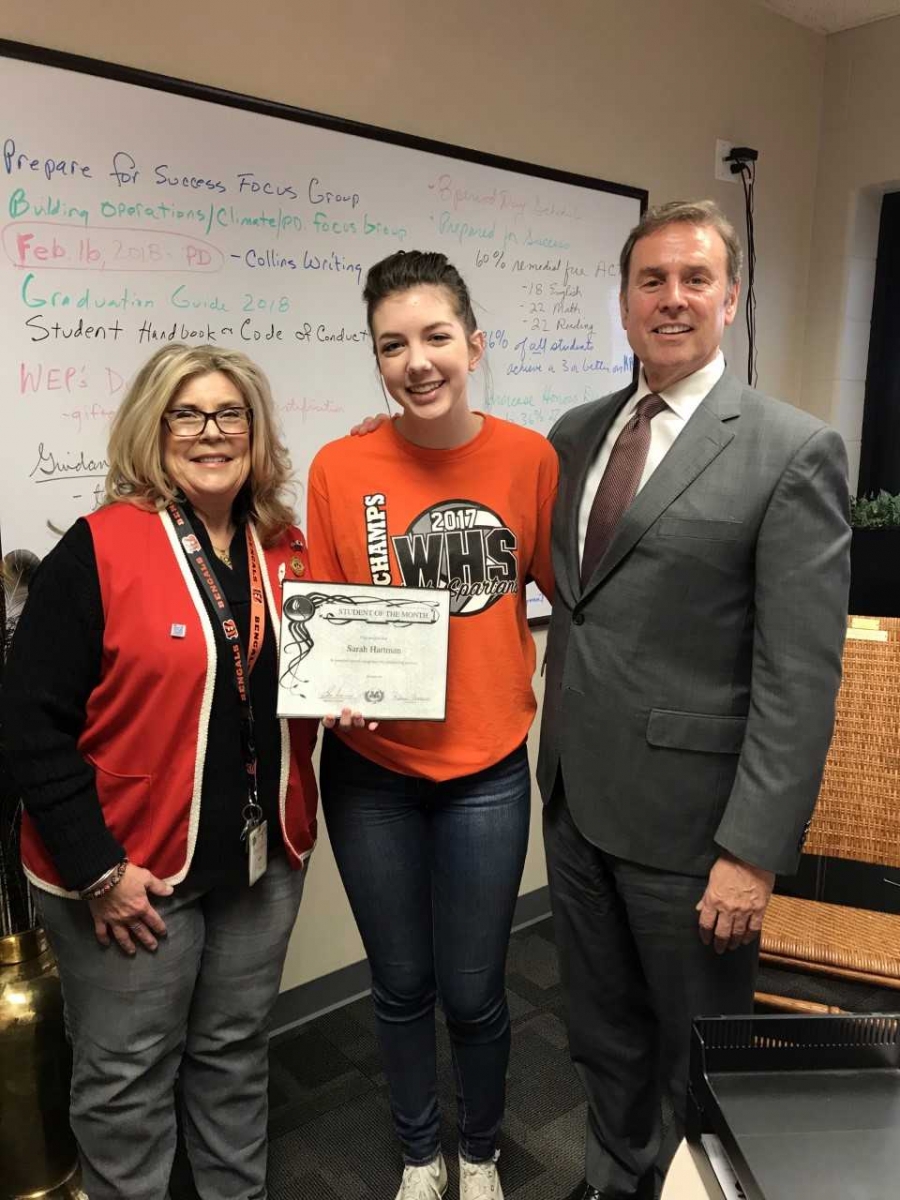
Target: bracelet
column 106, row 882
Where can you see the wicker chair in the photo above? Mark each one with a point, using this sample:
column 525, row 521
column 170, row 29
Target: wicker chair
column 857, row 817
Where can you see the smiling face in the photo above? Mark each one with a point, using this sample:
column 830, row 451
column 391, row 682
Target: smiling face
column 678, row 301
column 210, row 468
column 425, row 354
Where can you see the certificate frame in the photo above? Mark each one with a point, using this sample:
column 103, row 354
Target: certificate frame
column 384, row 626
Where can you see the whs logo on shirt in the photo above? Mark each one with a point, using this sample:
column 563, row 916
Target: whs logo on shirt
column 458, row 544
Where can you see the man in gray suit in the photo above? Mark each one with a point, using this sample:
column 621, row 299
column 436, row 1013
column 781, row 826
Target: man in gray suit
column 701, row 551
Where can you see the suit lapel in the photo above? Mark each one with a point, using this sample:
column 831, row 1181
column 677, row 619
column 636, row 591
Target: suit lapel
column 582, row 460
column 703, row 438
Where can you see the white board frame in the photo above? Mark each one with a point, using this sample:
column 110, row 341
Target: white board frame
column 538, row 608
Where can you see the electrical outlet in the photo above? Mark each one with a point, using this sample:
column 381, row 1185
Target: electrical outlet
column 723, row 169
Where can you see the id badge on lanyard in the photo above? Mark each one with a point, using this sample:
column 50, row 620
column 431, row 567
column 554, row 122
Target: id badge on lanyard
column 253, row 833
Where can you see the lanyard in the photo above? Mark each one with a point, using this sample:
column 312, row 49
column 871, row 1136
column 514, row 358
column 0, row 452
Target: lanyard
column 241, row 663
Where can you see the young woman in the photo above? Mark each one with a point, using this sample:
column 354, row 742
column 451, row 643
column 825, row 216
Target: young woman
column 429, row 820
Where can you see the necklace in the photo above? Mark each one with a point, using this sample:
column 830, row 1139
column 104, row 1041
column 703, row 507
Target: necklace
column 223, row 556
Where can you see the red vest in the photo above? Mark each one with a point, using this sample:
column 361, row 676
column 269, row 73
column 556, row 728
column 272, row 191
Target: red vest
column 147, row 718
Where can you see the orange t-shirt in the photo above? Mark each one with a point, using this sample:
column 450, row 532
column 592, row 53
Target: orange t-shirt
column 372, row 500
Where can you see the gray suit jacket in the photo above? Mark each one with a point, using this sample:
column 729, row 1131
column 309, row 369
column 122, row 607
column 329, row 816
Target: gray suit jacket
column 691, row 684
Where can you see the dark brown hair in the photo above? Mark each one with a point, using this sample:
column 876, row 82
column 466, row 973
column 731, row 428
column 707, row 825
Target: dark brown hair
column 417, row 268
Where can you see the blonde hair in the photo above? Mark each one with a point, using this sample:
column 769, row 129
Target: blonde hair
column 137, row 474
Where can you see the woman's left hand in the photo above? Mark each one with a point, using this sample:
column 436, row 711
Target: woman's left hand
column 349, row 720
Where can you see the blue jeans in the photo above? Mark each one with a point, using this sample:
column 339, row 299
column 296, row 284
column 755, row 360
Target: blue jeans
column 432, row 871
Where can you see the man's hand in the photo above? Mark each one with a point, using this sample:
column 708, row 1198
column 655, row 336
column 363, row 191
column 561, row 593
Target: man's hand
column 369, row 425
column 126, row 911
column 734, row 903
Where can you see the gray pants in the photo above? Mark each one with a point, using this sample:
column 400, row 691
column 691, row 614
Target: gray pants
column 199, row 1008
column 635, row 974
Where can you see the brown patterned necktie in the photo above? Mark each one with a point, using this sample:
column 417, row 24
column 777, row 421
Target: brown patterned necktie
column 619, row 484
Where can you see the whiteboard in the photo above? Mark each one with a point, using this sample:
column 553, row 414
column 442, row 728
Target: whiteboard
column 138, row 209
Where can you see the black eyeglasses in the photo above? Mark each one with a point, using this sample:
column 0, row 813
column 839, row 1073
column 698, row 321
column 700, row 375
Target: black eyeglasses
column 190, row 422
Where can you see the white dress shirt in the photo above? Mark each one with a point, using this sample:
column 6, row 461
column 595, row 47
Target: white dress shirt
column 683, row 399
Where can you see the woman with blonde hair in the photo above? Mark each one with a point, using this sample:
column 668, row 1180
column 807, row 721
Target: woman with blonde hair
column 169, row 813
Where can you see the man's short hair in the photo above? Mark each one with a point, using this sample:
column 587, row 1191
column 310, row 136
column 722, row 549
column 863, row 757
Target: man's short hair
column 685, row 212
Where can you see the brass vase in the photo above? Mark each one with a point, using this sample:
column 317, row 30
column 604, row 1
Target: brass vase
column 38, row 1158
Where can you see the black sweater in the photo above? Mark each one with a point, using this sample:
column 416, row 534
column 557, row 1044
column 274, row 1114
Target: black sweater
column 53, row 666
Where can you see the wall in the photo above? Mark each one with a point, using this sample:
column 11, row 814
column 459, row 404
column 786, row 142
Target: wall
column 859, row 160
column 633, row 91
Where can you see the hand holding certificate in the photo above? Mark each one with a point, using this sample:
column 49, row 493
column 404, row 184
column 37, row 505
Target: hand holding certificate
column 381, row 651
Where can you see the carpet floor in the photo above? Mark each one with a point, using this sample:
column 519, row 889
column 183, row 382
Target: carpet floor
column 329, row 1120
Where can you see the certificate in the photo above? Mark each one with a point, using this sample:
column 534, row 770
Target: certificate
column 381, row 651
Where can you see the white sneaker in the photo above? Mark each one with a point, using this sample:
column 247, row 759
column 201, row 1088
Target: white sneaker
column 479, row 1181
column 425, row 1182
